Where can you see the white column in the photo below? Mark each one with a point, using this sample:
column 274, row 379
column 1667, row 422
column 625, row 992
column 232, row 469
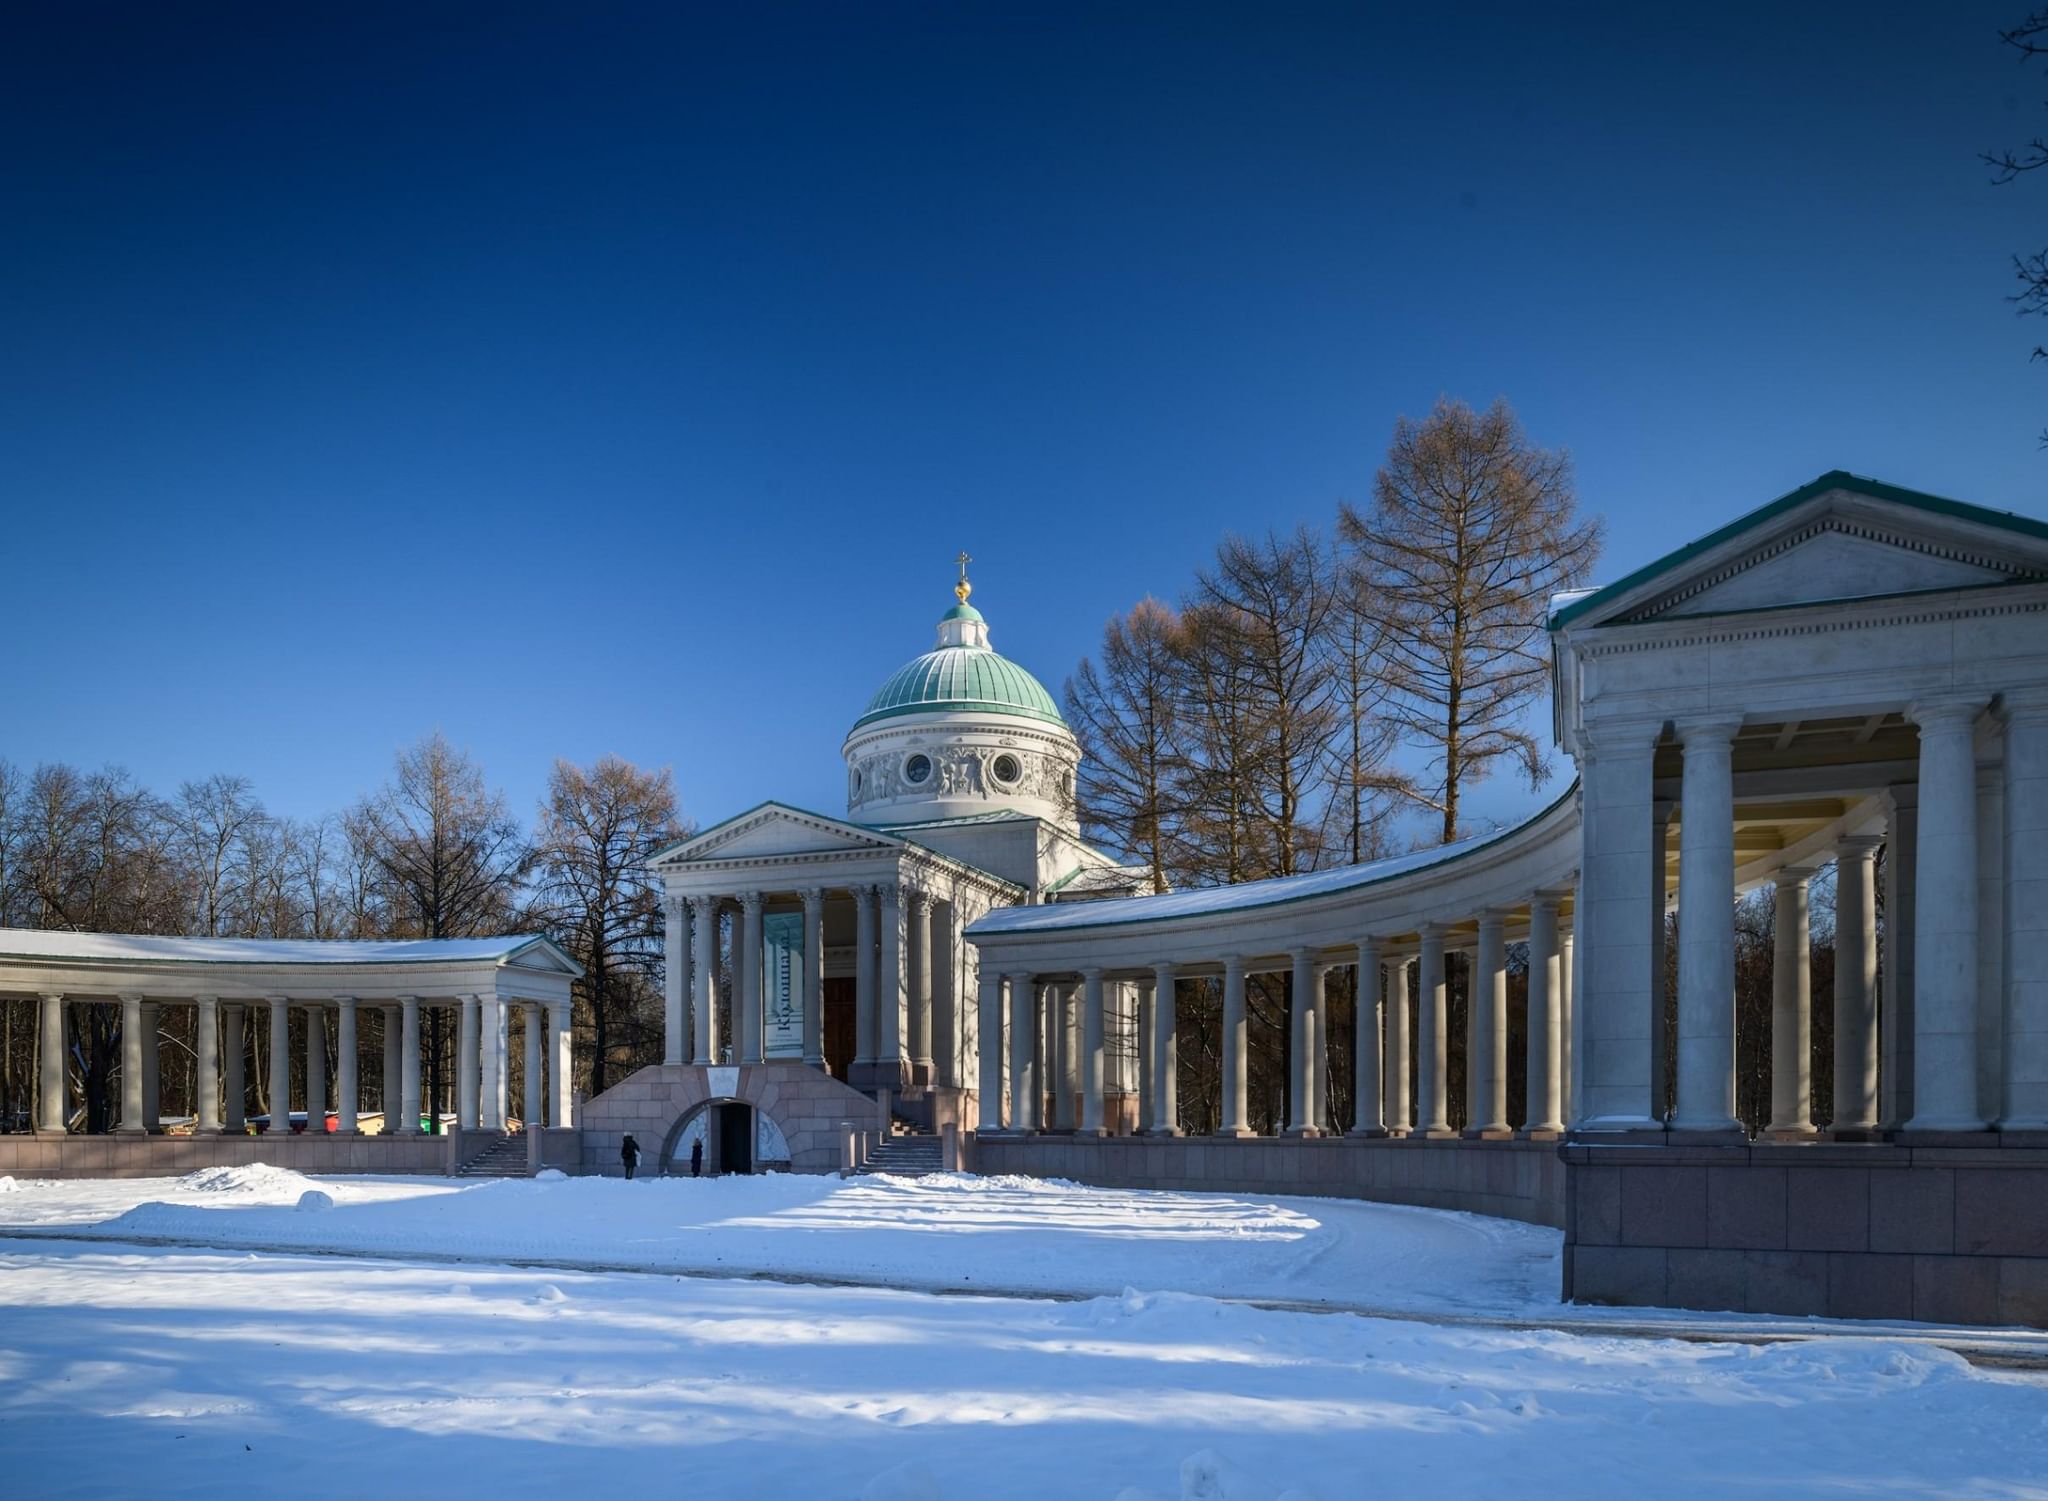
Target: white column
column 348, row 1088
column 1164, row 1105
column 534, row 1115
column 1148, row 1078
column 1613, row 920
column 1432, row 1044
column 131, row 1067
column 52, row 1094
column 1319, row 1051
column 892, row 992
column 469, row 1063
column 388, row 1100
column 748, row 974
column 1064, row 1057
column 1791, row 1004
column 316, row 1071
column 1706, row 929
column 152, row 1061
column 1661, row 1087
column 1092, row 1058
column 1024, row 1085
column 1489, row 1003
column 561, row 1064
column 1367, row 1114
column 1398, row 1095
column 917, row 923
column 814, row 979
column 2026, row 897
column 704, row 978
column 409, row 1065
column 675, row 978
column 1855, row 985
column 1570, row 1033
column 1545, row 1034
column 280, row 1065
column 1945, row 927
column 1901, row 916
column 206, row 1064
column 1301, row 1008
column 864, row 922
column 234, row 1084
column 490, row 1110
column 990, row 1003
column 1236, row 1117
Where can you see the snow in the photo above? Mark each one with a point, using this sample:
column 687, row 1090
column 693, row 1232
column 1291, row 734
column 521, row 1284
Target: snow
column 26, row 943
column 202, row 1374
column 945, row 1232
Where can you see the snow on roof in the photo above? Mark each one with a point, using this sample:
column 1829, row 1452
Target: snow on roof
column 1565, row 598
column 27, row 943
column 1212, row 900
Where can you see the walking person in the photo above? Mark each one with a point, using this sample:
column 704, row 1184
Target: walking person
column 697, row 1158
column 629, row 1153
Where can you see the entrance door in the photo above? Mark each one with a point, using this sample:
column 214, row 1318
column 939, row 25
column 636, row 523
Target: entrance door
column 836, row 1027
column 736, row 1138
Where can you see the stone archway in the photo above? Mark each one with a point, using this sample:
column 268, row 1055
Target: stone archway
column 737, row 1138
column 800, row 1115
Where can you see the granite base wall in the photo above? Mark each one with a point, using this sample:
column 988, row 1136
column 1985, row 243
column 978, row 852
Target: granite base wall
column 1517, row 1180
column 170, row 1156
column 811, row 1108
column 1944, row 1234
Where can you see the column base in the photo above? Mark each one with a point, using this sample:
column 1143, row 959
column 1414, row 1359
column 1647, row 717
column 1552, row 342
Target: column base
column 1940, row 1136
column 1487, row 1133
column 1789, row 1133
column 1706, row 1136
column 51, row 1133
column 1541, row 1133
column 1368, row 1133
column 1439, row 1133
column 128, row 1131
column 1161, row 1131
column 1303, row 1133
column 1235, row 1133
column 1091, row 1133
column 1854, row 1133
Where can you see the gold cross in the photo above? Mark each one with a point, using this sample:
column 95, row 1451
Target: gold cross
column 963, row 588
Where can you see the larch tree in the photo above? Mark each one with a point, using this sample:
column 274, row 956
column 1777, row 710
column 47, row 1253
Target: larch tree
column 445, row 848
column 598, row 829
column 1125, row 714
column 1471, row 530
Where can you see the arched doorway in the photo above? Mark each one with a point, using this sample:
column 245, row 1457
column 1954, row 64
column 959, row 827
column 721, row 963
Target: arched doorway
column 737, row 1138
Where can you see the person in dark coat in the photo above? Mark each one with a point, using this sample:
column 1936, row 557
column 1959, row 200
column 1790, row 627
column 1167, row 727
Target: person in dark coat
column 697, row 1158
column 629, row 1153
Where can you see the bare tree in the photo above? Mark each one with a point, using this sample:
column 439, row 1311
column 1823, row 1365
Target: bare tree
column 1472, row 529
column 598, row 829
column 443, row 845
column 2030, row 40
column 1125, row 715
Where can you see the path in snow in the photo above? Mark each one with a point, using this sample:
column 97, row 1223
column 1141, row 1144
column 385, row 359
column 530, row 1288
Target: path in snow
column 211, row 1374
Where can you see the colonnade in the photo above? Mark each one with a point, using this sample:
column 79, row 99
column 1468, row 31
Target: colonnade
column 906, row 946
column 220, row 1049
column 1385, row 1101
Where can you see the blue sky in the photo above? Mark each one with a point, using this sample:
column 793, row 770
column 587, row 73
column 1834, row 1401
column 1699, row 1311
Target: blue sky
column 624, row 378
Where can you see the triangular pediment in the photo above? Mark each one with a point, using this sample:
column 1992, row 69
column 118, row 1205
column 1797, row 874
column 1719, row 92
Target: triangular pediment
column 1838, row 540
column 775, row 829
column 543, row 955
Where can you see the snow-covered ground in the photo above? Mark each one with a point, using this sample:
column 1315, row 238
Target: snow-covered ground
column 953, row 1232
column 128, row 1369
column 206, row 1374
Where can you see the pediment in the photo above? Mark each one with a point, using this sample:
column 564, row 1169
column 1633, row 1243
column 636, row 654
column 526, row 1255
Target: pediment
column 775, row 830
column 1829, row 544
column 544, row 956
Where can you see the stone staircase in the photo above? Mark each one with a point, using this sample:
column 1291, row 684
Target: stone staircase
column 505, row 1157
column 911, row 1155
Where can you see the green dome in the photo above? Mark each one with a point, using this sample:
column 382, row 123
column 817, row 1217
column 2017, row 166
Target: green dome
column 958, row 678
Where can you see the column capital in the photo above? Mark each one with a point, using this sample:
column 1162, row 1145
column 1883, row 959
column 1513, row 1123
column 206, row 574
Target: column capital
column 1303, row 953
column 1946, row 711
column 1233, row 964
column 1020, row 976
column 1093, row 975
column 1858, row 846
column 1706, row 730
column 1428, row 930
column 750, row 903
column 54, row 996
column 1618, row 737
column 1492, row 917
column 916, row 898
column 2027, row 703
column 1165, row 968
column 814, row 898
column 1792, row 875
column 1546, row 899
column 864, row 893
